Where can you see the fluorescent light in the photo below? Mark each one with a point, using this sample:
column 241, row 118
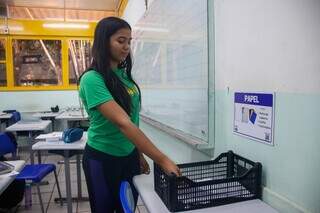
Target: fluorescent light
column 77, row 20
column 67, row 20
column 66, row 25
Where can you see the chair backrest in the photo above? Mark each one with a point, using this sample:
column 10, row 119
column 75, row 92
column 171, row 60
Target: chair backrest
column 126, row 197
column 7, row 145
column 9, row 111
column 15, row 117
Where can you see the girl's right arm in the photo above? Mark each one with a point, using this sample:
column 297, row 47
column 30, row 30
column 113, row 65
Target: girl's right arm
column 113, row 112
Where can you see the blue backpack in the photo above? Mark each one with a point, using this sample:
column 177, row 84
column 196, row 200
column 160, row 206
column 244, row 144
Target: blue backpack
column 72, row 134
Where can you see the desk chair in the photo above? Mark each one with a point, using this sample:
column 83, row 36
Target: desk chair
column 16, row 116
column 9, row 111
column 126, row 197
column 34, row 173
column 7, row 145
column 13, row 195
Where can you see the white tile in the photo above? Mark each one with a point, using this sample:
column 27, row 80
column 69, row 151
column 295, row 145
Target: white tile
column 84, row 189
column 49, row 177
column 44, row 196
column 32, row 209
column 35, row 198
column 63, row 192
column 140, row 203
column 56, row 208
column 45, row 188
column 73, row 174
column 53, row 158
column 142, row 209
column 84, row 206
column 62, row 184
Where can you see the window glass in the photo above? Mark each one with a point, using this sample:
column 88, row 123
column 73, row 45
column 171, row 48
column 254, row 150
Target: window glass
column 37, row 62
column 150, row 73
column 79, row 58
column 2, row 49
column 170, row 52
column 3, row 76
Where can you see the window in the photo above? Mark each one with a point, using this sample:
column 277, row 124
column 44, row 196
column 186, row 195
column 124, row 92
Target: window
column 37, row 62
column 79, row 58
column 41, row 58
column 2, row 49
column 3, row 75
column 170, row 55
column 150, row 74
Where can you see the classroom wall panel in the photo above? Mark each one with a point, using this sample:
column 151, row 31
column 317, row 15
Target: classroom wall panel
column 38, row 100
column 273, row 46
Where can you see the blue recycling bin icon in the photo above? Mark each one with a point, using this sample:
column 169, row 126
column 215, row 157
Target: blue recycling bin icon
column 252, row 116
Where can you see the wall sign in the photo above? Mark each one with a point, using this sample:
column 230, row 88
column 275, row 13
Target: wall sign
column 254, row 115
column 31, row 59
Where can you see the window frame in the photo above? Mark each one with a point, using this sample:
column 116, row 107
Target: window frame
column 64, row 63
column 5, row 59
column 67, row 44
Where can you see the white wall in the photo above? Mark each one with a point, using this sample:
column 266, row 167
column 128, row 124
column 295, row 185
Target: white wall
column 273, row 46
column 268, row 44
column 38, row 100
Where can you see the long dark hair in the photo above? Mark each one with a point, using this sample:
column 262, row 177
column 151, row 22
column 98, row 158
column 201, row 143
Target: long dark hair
column 101, row 61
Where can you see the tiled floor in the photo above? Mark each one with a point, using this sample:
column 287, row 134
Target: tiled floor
column 49, row 192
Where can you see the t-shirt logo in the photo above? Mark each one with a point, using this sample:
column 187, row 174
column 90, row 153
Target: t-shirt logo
column 132, row 91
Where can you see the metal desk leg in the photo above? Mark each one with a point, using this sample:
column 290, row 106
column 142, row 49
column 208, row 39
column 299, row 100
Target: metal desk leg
column 79, row 177
column 31, row 153
column 30, row 143
column 52, row 122
column 68, row 181
column 30, row 147
column 39, row 156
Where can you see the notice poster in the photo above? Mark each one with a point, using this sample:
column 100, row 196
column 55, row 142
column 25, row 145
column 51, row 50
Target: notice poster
column 253, row 116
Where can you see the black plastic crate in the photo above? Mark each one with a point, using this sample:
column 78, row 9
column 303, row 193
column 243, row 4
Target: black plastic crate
column 227, row 179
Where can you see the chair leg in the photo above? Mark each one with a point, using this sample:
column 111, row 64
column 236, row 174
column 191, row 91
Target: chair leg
column 40, row 199
column 58, row 187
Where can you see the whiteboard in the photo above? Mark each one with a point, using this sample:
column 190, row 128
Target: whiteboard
column 170, row 64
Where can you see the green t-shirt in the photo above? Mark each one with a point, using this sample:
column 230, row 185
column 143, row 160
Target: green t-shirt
column 103, row 135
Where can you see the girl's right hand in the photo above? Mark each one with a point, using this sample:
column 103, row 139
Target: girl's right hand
column 170, row 167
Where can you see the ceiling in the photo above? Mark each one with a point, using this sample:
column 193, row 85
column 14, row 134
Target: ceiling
column 62, row 10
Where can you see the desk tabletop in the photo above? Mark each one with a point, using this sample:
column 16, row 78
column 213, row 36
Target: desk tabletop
column 47, row 114
column 153, row 203
column 6, row 179
column 5, row 115
column 72, row 116
column 60, row 145
column 29, row 126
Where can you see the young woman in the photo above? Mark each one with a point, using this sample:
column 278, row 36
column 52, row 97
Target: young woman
column 112, row 100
